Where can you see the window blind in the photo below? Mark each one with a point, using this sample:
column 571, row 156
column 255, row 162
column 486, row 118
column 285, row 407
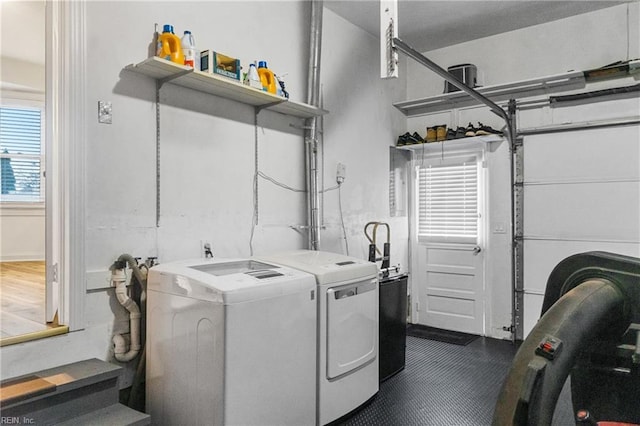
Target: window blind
column 20, row 154
column 448, row 203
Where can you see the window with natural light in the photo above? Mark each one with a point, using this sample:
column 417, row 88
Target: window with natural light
column 21, row 155
column 448, row 203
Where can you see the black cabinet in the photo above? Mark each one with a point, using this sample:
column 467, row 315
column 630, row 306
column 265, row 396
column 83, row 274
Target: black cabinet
column 393, row 325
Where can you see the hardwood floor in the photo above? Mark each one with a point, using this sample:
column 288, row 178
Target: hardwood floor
column 22, row 297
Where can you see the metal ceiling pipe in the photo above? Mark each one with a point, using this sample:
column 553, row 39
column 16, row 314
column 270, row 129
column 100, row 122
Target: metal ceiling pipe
column 311, row 129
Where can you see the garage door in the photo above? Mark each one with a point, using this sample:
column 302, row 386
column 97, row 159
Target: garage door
column 581, row 193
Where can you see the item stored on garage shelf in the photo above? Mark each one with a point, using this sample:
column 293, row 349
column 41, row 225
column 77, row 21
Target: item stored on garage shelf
column 253, row 79
column 267, row 78
column 188, row 44
column 410, row 139
column 217, row 63
column 169, row 46
column 466, row 73
column 431, row 134
column 282, row 90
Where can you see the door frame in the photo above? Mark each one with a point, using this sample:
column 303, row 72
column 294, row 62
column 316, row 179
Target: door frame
column 419, row 157
column 65, row 94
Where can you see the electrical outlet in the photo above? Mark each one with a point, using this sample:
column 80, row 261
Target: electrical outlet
column 341, row 173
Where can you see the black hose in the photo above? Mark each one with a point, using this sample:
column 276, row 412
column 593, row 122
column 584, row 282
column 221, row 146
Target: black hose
column 531, row 390
column 137, row 395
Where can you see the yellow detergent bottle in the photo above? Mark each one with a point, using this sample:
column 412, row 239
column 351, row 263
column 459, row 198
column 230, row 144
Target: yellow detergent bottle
column 169, row 46
column 267, row 78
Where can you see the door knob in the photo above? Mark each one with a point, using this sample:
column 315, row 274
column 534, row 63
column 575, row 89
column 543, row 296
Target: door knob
column 477, row 250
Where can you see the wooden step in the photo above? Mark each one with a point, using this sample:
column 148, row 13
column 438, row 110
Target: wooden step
column 14, row 391
column 61, row 393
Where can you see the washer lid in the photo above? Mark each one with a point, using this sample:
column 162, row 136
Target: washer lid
column 244, row 266
column 327, row 267
column 227, row 281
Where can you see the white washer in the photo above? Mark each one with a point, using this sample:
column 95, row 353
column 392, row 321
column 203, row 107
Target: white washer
column 347, row 328
column 231, row 342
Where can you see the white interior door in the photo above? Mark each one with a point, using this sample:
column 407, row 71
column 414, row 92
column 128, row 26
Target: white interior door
column 447, row 253
column 451, row 294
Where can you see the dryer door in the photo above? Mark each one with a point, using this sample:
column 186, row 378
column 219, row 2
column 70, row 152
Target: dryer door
column 352, row 326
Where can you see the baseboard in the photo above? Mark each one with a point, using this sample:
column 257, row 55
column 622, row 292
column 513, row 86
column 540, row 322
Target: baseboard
column 24, row 257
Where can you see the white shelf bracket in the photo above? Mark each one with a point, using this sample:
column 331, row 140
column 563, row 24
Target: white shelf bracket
column 264, row 106
column 179, row 74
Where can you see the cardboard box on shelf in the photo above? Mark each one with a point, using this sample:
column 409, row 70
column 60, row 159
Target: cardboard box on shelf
column 217, row 63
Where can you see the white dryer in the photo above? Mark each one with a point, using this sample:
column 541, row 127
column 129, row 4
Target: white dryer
column 347, row 328
column 231, row 342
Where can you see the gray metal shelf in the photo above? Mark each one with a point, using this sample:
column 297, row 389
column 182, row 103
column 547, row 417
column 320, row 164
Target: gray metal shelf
column 533, row 87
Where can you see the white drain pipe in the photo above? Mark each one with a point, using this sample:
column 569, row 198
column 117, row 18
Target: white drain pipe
column 119, row 281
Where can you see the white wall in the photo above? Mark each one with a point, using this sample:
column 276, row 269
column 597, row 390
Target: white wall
column 358, row 132
column 207, row 151
column 18, row 74
column 579, row 43
column 21, row 233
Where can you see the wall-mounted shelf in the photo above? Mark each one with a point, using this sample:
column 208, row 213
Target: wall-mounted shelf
column 452, row 142
column 533, row 87
column 166, row 71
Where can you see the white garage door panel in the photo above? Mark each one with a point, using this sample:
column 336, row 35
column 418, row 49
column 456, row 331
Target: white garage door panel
column 543, row 256
column 532, row 308
column 583, row 155
column 609, row 211
column 581, row 193
column 598, row 111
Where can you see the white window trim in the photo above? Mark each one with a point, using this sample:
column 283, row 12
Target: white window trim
column 66, row 132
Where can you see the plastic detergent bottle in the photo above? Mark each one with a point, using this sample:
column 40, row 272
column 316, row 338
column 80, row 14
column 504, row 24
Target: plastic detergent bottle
column 253, row 78
column 267, row 78
column 169, row 47
column 189, row 49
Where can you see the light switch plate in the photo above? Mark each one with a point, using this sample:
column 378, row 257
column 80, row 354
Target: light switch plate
column 104, row 112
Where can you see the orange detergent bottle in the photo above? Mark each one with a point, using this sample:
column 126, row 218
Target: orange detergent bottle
column 169, row 46
column 267, row 78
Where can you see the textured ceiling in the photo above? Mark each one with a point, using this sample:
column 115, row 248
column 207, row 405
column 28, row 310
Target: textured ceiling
column 428, row 25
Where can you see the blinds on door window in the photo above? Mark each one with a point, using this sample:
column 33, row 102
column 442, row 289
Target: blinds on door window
column 448, row 203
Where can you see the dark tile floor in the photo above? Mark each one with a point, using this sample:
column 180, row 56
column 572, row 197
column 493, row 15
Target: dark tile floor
column 446, row 384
